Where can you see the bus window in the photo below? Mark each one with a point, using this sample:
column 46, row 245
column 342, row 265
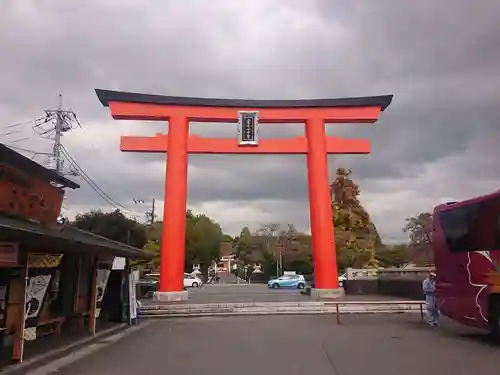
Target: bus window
column 456, row 224
column 472, row 227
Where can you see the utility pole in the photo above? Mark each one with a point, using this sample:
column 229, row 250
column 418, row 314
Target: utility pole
column 56, row 152
column 62, row 121
column 153, row 213
column 150, row 215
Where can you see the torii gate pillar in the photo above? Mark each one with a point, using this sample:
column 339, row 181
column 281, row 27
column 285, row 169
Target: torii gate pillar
column 178, row 144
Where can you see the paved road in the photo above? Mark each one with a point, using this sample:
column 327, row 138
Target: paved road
column 292, row 345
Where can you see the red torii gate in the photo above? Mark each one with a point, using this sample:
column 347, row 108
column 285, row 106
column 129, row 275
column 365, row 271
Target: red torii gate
column 179, row 111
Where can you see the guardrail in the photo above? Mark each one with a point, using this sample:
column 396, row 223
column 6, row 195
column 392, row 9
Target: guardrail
column 386, row 303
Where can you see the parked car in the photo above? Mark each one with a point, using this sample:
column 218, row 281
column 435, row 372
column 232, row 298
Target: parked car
column 287, row 281
column 147, row 285
column 150, row 283
column 191, row 281
column 310, row 281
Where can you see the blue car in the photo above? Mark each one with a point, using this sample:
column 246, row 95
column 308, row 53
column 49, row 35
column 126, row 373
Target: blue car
column 288, row 281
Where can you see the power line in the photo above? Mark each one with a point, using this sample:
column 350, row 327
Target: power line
column 16, row 148
column 10, row 133
column 94, row 185
column 20, row 139
column 63, row 121
column 21, row 123
column 150, row 214
column 89, row 180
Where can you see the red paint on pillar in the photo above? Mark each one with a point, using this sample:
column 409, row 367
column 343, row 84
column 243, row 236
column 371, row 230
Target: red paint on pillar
column 323, row 242
column 174, row 210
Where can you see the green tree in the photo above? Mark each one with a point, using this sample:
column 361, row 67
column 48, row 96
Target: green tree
column 419, row 229
column 154, row 232
column 392, row 256
column 354, row 235
column 244, row 246
column 154, row 249
column 113, row 225
column 203, row 239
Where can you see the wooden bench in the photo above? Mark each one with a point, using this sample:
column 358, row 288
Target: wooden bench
column 56, row 323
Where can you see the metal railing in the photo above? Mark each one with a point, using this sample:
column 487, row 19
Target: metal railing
column 385, row 303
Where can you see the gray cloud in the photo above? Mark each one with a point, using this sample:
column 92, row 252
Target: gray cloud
column 434, row 142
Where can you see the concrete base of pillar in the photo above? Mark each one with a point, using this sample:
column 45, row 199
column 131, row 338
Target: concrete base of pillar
column 170, row 296
column 328, row 293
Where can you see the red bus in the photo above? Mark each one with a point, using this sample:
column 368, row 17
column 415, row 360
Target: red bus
column 466, row 242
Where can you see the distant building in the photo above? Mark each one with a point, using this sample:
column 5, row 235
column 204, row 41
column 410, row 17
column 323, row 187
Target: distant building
column 227, row 252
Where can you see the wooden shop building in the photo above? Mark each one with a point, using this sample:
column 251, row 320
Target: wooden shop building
column 56, row 281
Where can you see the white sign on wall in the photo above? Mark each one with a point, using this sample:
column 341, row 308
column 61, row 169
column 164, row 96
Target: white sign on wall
column 118, row 263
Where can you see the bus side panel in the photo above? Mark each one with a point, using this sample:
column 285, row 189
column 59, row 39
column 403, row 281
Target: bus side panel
column 456, row 296
column 446, row 267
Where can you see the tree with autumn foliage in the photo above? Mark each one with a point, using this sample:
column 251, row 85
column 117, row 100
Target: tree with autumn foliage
column 355, row 238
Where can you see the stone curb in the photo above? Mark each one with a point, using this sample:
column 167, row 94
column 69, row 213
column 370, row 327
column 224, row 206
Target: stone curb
column 253, row 313
column 275, row 311
column 308, row 304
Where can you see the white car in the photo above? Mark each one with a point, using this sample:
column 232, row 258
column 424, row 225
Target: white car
column 191, row 281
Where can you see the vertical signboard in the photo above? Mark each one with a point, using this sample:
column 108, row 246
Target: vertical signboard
column 101, row 282
column 248, row 128
column 35, row 294
column 132, row 284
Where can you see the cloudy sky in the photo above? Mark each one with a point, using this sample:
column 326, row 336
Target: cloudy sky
column 437, row 141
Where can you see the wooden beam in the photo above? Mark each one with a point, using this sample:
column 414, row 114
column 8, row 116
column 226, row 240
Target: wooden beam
column 159, row 112
column 201, row 145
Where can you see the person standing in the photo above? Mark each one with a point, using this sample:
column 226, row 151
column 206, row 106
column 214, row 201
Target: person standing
column 429, row 289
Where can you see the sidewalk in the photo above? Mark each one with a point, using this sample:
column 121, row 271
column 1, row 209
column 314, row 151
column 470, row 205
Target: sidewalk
column 47, row 349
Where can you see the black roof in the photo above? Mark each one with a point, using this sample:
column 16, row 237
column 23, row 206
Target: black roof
column 22, row 163
column 106, row 96
column 64, row 238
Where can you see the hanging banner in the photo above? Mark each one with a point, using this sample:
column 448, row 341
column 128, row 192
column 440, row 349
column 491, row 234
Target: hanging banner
column 44, row 260
column 101, row 282
column 133, row 279
column 35, row 294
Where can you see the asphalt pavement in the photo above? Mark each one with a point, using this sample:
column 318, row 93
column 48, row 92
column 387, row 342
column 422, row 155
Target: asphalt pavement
column 292, row 345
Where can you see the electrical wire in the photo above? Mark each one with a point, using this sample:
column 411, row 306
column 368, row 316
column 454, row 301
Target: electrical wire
column 68, row 119
column 15, row 148
column 94, row 186
column 20, row 139
column 21, row 123
column 10, row 133
column 91, row 182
